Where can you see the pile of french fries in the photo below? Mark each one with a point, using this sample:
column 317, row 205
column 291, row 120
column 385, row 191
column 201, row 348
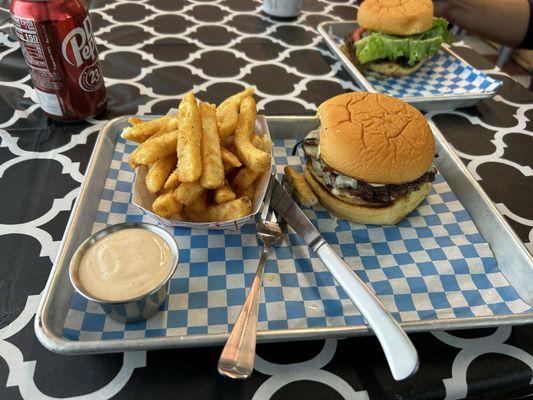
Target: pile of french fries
column 203, row 162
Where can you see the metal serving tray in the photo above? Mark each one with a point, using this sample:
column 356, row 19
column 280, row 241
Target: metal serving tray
column 334, row 33
column 515, row 262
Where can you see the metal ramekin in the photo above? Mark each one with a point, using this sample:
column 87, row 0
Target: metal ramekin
column 134, row 309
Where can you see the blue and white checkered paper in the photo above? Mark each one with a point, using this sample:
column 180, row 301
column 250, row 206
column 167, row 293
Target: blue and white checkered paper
column 443, row 74
column 434, row 265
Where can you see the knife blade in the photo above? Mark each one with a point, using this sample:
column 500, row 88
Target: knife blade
column 398, row 348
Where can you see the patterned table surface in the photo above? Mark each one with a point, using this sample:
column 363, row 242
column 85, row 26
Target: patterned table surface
column 153, row 51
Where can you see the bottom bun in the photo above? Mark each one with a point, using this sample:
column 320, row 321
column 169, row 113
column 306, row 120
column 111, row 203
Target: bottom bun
column 385, row 215
column 391, row 68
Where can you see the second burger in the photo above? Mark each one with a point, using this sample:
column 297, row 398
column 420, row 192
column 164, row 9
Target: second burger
column 371, row 161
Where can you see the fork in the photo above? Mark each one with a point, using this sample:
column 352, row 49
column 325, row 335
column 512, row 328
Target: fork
column 238, row 355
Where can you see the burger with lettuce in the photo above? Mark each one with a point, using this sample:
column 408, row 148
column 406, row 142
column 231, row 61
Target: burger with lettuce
column 395, row 37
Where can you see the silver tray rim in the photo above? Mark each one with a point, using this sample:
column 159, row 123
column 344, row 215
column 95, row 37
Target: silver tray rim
column 58, row 344
column 360, row 79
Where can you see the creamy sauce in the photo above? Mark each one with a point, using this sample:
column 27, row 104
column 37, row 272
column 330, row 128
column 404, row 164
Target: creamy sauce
column 125, row 264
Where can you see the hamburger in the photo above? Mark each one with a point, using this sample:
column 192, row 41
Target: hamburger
column 395, row 37
column 371, row 160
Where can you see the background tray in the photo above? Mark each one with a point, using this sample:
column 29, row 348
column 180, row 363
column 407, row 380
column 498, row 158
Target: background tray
column 446, row 81
column 110, row 194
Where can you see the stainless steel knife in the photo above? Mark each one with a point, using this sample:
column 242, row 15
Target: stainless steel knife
column 399, row 350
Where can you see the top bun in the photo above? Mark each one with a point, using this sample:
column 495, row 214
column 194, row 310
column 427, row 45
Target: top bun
column 375, row 138
column 396, row 17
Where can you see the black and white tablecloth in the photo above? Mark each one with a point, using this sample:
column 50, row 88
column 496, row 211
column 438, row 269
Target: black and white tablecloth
column 153, row 51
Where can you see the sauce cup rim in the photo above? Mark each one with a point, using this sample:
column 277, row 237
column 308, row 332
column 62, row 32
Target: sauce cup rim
column 91, row 240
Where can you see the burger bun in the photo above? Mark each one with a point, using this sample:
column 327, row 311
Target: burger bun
column 375, row 138
column 396, row 17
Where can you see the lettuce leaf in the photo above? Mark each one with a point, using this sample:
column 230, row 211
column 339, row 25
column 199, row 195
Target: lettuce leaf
column 377, row 45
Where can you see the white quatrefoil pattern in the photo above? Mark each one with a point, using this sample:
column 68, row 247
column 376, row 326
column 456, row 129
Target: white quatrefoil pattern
column 154, row 51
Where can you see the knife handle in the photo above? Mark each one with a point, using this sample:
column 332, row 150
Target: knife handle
column 399, row 350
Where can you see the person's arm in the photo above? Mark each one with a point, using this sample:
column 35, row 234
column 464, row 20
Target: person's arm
column 503, row 21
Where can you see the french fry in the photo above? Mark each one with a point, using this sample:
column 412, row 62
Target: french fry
column 158, row 147
column 223, row 212
column 250, row 156
column 159, row 172
column 166, row 205
column 161, row 132
column 227, row 167
column 172, row 181
column 212, row 168
column 303, row 191
column 231, row 210
column 227, row 112
column 173, row 123
column 135, row 120
column 244, row 178
column 256, row 141
column 262, row 143
column 224, row 194
column 179, row 216
column 267, row 145
column 133, row 158
column 143, row 130
column 189, row 140
column 249, row 192
column 187, row 192
column 196, row 209
column 230, row 158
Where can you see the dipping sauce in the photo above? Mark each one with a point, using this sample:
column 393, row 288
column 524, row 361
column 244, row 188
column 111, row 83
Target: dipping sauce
column 125, row 264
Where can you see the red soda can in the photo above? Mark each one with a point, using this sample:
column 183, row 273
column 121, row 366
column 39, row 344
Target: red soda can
column 58, row 44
